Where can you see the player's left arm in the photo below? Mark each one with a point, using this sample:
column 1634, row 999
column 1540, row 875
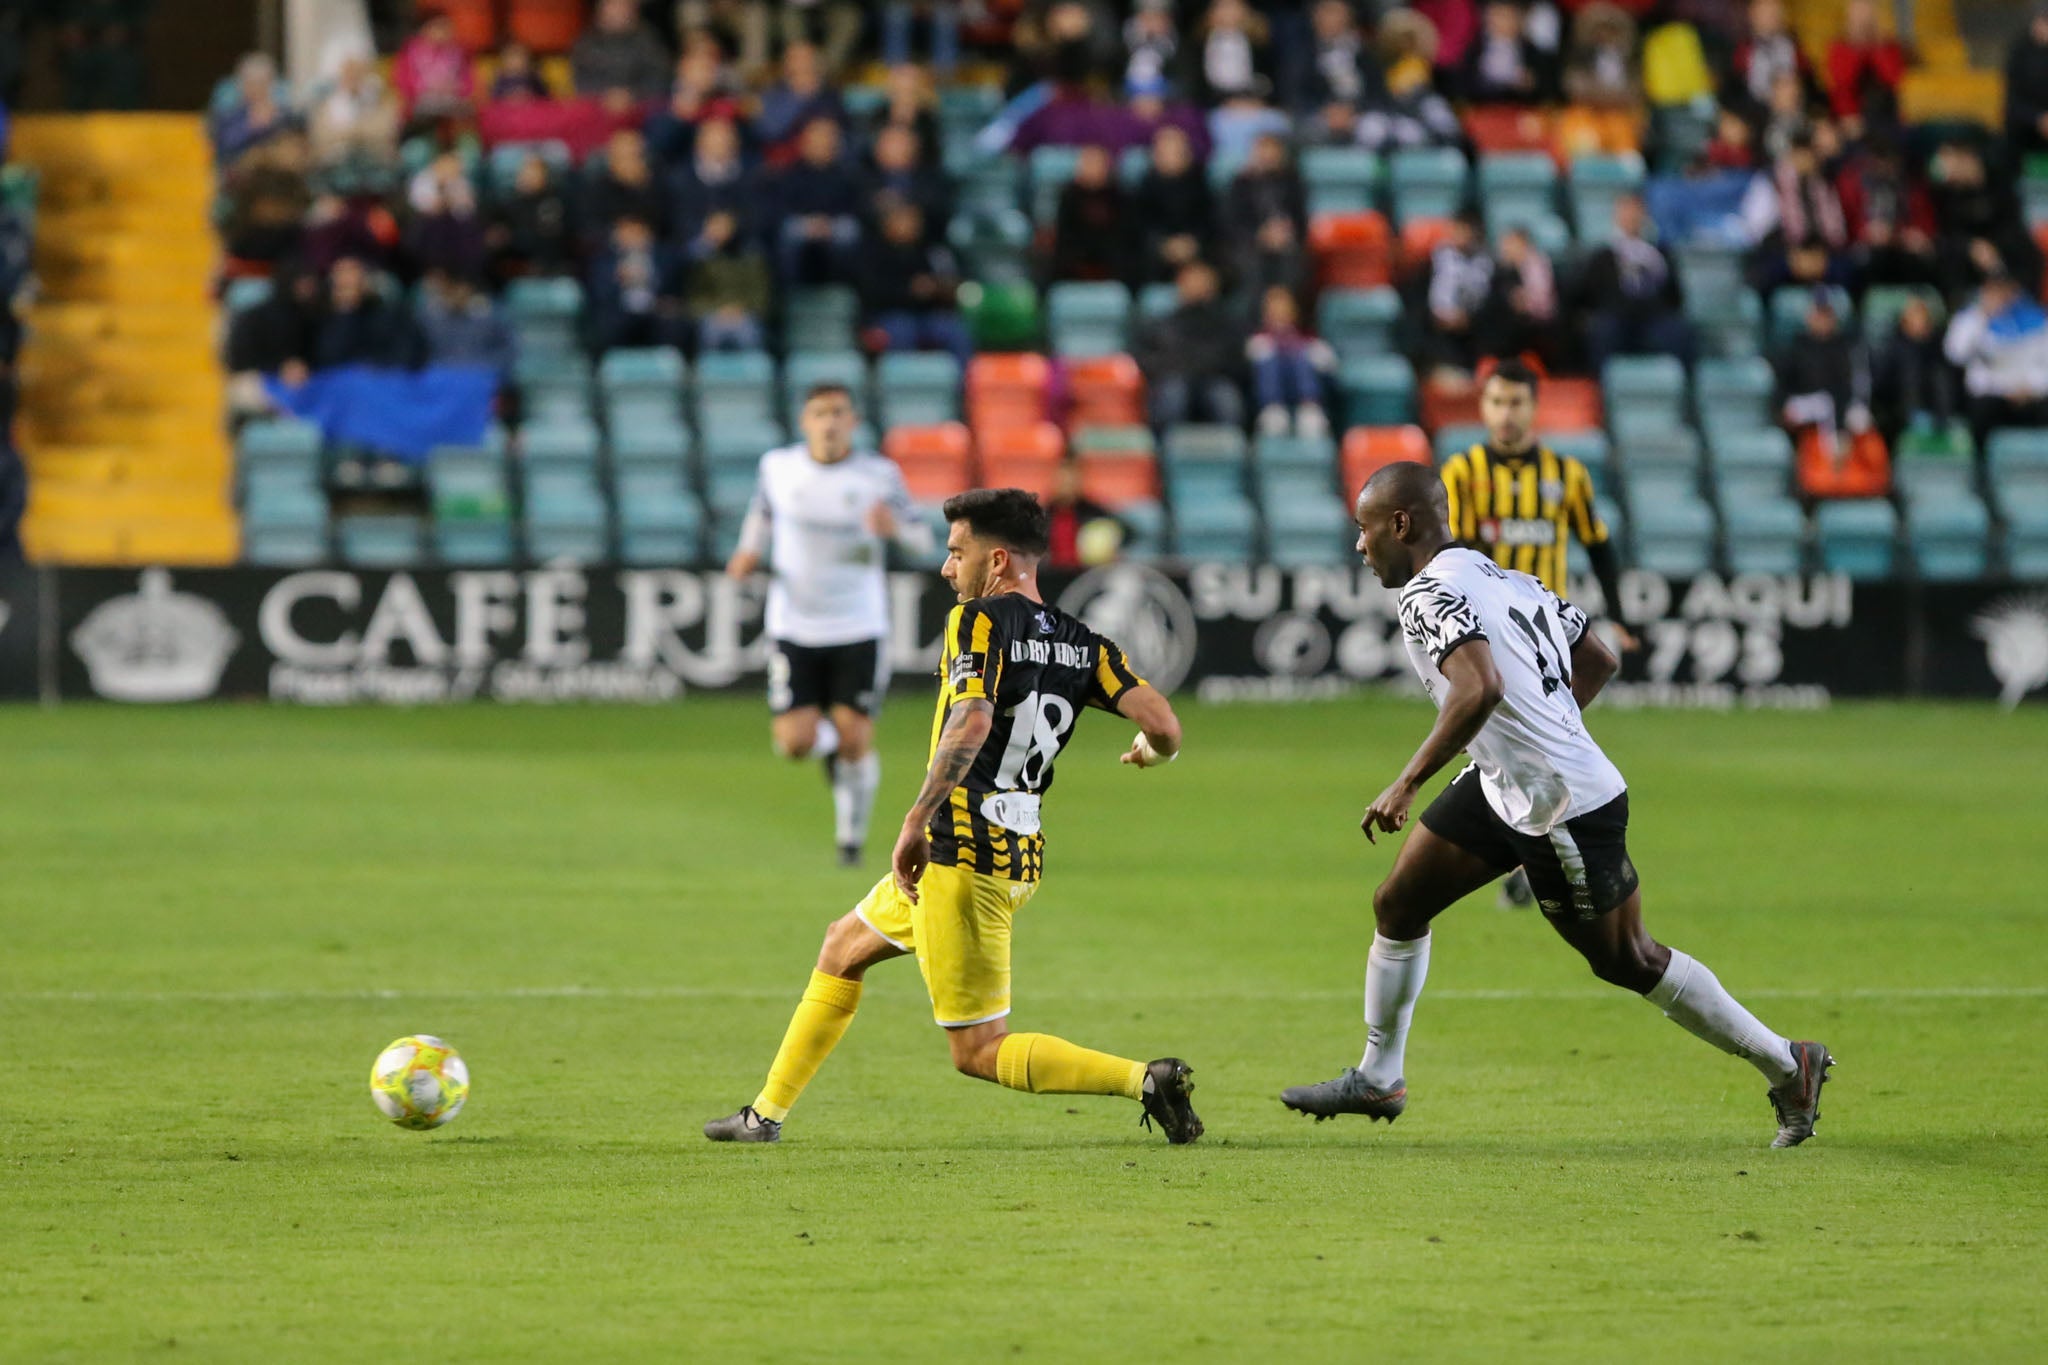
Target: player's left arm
column 1475, row 689
column 894, row 516
column 960, row 739
column 1586, row 524
column 1158, row 741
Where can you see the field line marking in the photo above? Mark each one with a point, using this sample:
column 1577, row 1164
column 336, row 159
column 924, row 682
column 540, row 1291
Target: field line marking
column 1450, row 993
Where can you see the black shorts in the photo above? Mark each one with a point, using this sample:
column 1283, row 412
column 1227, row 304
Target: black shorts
column 1580, row 870
column 825, row 675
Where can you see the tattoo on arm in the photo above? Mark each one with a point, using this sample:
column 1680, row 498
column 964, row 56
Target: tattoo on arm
column 965, row 731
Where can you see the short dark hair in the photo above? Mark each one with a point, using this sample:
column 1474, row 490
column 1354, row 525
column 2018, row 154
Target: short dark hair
column 1515, row 370
column 1011, row 517
column 830, row 386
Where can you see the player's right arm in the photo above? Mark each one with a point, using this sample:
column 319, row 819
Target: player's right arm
column 1474, row 690
column 1158, row 740
column 1593, row 665
column 753, row 546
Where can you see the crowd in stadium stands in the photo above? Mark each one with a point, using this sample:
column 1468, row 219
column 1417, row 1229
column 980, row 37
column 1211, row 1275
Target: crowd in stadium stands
column 745, row 151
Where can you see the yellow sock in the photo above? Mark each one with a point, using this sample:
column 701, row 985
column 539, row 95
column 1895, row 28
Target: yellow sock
column 1045, row 1065
column 814, row 1030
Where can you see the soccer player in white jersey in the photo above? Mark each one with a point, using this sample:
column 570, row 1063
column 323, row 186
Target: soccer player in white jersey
column 822, row 516
column 1511, row 666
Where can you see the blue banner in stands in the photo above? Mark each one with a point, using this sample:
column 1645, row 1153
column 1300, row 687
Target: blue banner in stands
column 399, row 413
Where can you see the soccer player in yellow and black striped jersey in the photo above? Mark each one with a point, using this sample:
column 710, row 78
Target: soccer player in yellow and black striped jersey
column 1015, row 675
column 1519, row 501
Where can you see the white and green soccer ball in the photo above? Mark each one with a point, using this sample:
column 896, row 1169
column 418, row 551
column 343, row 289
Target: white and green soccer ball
column 419, row 1082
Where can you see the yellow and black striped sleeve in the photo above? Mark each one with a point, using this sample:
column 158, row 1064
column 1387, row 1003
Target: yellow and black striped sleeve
column 1457, row 477
column 1113, row 675
column 1579, row 506
column 974, row 654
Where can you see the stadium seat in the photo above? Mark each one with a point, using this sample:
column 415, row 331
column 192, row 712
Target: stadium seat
column 1309, row 458
column 1104, row 391
column 245, row 293
column 1088, row 318
column 1882, row 304
column 738, row 441
column 1050, row 168
column 1673, row 528
column 284, row 520
column 380, row 542
column 1341, row 180
column 1420, row 237
column 279, row 443
column 1427, row 182
column 1948, row 530
column 1306, row 520
column 1117, row 464
column 1024, row 455
column 1497, row 129
column 1359, row 322
column 1516, row 187
column 1367, row 449
column 993, row 246
column 1551, row 234
column 2016, row 474
column 807, row 368
column 554, row 386
column 1735, row 394
column 1708, row 271
column 644, row 447
column 1759, row 459
column 544, row 311
column 1568, row 405
column 467, row 484
column 917, row 387
column 1761, row 532
column 735, row 386
column 641, row 384
column 565, row 517
column 1788, row 313
column 1596, row 181
column 1652, row 447
column 821, row 317
column 1455, row 439
column 1446, row 402
column 660, row 519
column 1006, row 390
column 1351, row 250
column 1213, row 518
column 561, row 443
column 1638, row 383
column 1726, row 325
column 937, row 461
column 1857, row 537
column 1376, row 390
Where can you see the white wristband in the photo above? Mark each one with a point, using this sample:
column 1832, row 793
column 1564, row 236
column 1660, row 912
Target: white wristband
column 1153, row 758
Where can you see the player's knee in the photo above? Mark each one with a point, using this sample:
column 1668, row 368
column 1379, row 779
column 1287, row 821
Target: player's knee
column 972, row 1058
column 840, row 950
column 1634, row 964
column 1393, row 915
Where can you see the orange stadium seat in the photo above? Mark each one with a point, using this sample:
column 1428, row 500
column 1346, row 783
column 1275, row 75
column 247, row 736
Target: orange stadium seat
column 1007, row 389
column 1104, row 391
column 475, row 21
column 1025, row 455
column 937, row 461
column 1568, row 405
column 1508, row 128
column 1419, row 237
column 1116, row 477
column 1368, row 449
column 1446, row 405
column 545, row 25
column 1352, row 250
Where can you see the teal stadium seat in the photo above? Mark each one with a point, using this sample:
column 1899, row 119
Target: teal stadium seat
column 1735, row 395
column 660, row 520
column 1085, row 319
column 564, row 443
column 1645, row 383
column 649, row 447
column 1377, row 390
column 1516, row 187
column 735, row 387
column 2016, row 473
column 805, row 369
column 821, row 317
column 380, row 542
column 918, row 388
column 1859, row 538
column 1596, row 181
column 1341, row 179
column 1359, row 322
column 642, row 385
column 566, row 517
column 1426, row 182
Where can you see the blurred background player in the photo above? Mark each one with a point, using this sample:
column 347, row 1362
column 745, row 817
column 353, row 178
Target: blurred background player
column 1520, row 502
column 1015, row 675
column 1511, row 666
column 825, row 513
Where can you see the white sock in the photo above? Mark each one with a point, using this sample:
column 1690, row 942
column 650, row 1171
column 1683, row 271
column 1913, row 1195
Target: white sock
column 827, row 742
column 1394, row 973
column 1695, row 1000
column 854, row 783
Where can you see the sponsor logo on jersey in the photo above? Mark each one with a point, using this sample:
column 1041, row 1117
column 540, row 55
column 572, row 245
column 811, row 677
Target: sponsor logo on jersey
column 1142, row 610
column 966, row 666
column 1045, row 623
column 2015, row 635
column 1523, row 531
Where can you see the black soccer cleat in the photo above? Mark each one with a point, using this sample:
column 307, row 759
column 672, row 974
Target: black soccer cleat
column 849, row 855
column 1797, row 1101
column 745, row 1126
column 1168, row 1083
column 1347, row 1094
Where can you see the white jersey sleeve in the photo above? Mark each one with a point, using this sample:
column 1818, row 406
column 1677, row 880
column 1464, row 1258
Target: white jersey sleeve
column 828, row 572
column 1537, row 764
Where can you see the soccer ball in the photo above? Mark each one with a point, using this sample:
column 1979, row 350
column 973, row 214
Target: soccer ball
column 419, row 1082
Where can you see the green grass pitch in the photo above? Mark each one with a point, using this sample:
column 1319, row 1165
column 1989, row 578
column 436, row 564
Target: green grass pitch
column 212, row 920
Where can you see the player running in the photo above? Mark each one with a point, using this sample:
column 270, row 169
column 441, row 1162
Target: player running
column 1520, row 502
column 1511, row 666
column 1014, row 676
column 827, row 510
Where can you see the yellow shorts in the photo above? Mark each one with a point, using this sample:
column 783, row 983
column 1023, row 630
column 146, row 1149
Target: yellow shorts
column 960, row 931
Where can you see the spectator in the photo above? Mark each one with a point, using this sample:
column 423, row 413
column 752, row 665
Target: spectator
column 532, row 232
column 1237, row 124
column 1174, row 206
column 446, row 233
column 794, row 102
column 1453, row 25
column 1192, row 357
column 1769, row 52
column 1978, row 221
column 900, row 175
column 2000, row 343
column 258, row 111
column 1070, row 42
column 618, row 59
column 1796, row 214
column 1093, row 230
column 1082, row 533
column 729, row 289
column 1463, row 327
column 911, row 286
column 101, row 63
column 1733, row 146
column 833, row 27
column 1150, row 111
column 433, row 75
column 910, row 102
column 275, row 336
column 1503, row 66
column 1407, row 111
column 268, row 195
column 1153, row 40
column 359, row 327
column 1864, row 69
column 1288, row 368
column 820, row 204
column 1629, row 294
column 516, row 78
column 1339, row 69
column 1602, row 81
column 460, row 325
column 635, row 291
column 1074, row 117
column 697, row 96
column 739, row 27
column 1265, row 219
column 1231, row 41
column 941, row 20
column 2026, row 86
column 352, row 118
column 1890, row 219
column 1786, row 119
column 1823, row 390
column 1914, row 386
column 1524, row 296
column 337, row 228
column 714, row 180
column 621, row 183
